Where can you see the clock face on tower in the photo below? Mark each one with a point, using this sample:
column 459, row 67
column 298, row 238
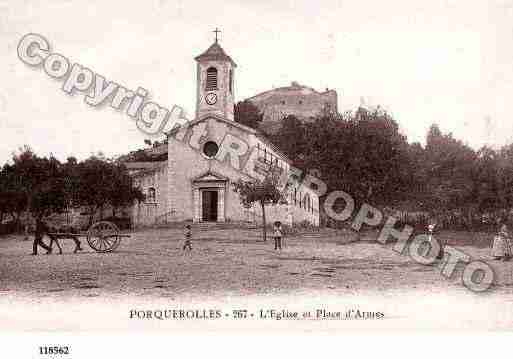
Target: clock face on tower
column 211, row 98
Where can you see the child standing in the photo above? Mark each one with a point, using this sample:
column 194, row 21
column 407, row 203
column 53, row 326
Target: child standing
column 431, row 229
column 277, row 235
column 188, row 236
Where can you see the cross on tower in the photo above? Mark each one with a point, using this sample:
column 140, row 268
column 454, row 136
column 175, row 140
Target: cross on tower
column 216, row 31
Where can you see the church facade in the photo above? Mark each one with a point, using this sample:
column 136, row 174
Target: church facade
column 207, row 155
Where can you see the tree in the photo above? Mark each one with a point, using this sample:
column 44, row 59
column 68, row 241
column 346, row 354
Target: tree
column 71, row 181
column 49, row 198
column 246, row 113
column 122, row 192
column 34, row 176
column 291, row 138
column 364, row 154
column 505, row 175
column 93, row 188
column 38, row 184
column 44, row 186
column 262, row 192
column 13, row 200
column 4, row 192
column 103, row 182
column 448, row 171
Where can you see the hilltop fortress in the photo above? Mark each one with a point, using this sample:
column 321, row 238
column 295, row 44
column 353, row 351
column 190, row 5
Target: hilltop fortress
column 301, row 101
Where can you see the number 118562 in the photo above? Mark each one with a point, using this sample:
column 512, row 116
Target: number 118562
column 54, row 350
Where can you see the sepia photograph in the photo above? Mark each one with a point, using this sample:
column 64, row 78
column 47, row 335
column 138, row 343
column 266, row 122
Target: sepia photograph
column 277, row 167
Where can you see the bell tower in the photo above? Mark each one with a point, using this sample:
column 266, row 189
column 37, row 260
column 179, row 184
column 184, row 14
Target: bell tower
column 215, row 82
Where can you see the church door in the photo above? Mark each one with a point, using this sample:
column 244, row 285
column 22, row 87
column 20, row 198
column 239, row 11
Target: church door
column 209, row 204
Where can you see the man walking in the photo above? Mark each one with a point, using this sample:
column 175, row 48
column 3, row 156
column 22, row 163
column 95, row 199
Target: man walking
column 41, row 230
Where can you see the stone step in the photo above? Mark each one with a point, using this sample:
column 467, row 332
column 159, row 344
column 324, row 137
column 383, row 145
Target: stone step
column 204, row 226
column 212, row 226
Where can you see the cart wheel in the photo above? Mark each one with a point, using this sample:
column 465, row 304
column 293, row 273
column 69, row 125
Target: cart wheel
column 103, row 237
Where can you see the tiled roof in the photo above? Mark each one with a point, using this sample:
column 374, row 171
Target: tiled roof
column 215, row 52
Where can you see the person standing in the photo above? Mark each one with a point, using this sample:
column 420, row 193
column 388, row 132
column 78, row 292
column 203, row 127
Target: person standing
column 277, row 235
column 188, row 238
column 431, row 230
column 41, row 229
column 501, row 247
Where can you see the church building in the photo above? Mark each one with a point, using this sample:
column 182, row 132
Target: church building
column 208, row 154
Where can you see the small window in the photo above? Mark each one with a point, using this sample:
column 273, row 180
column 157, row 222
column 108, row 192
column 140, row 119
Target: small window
column 283, row 102
column 210, row 149
column 211, row 79
column 300, row 102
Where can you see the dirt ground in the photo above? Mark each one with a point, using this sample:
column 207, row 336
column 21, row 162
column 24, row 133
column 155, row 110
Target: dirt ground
column 227, row 265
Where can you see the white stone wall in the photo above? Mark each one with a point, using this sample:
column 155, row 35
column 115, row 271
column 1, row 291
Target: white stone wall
column 225, row 98
column 186, row 164
column 152, row 212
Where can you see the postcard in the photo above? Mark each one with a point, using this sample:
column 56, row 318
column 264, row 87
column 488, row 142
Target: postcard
column 255, row 167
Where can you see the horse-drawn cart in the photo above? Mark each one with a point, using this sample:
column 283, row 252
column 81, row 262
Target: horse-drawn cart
column 102, row 236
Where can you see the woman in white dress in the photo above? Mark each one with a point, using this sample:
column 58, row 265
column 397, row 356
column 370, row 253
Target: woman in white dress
column 501, row 248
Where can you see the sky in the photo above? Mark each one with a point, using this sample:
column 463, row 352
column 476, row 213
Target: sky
column 446, row 62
